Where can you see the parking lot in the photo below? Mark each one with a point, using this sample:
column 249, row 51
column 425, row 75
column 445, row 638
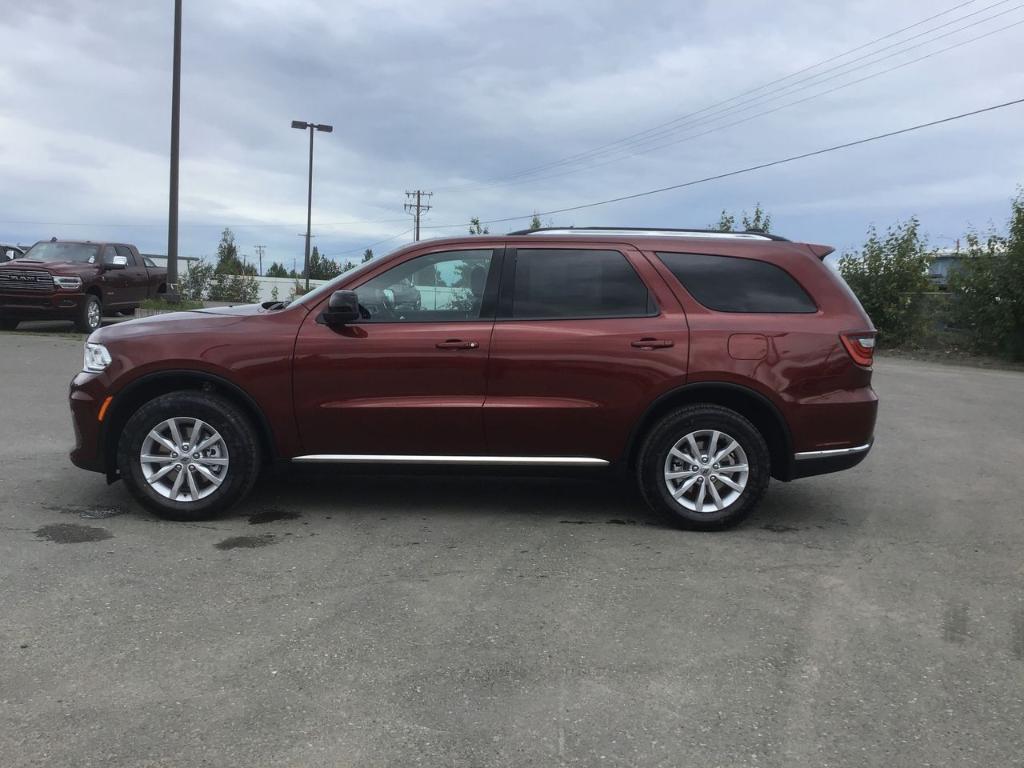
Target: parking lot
column 874, row 617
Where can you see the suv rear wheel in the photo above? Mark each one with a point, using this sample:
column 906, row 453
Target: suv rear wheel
column 705, row 467
column 188, row 455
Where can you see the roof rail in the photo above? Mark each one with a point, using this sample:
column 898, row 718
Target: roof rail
column 750, row 234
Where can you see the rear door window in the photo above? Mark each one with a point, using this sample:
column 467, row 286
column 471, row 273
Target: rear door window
column 551, row 284
column 730, row 284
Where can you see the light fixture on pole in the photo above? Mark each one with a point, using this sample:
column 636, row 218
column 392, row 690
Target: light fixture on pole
column 311, row 127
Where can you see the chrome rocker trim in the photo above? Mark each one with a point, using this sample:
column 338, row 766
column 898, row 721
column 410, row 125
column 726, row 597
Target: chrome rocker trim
column 372, row 458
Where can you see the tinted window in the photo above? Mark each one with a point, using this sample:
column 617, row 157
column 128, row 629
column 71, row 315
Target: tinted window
column 438, row 287
column 124, row 250
column 729, row 284
column 577, row 283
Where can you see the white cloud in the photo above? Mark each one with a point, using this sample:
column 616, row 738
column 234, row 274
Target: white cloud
column 459, row 92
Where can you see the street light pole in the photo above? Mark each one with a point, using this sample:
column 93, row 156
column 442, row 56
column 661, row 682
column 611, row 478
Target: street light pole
column 172, row 209
column 302, row 126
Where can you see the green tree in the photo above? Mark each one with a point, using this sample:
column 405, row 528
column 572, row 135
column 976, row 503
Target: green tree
column 321, row 267
column 476, row 228
column 535, row 222
column 367, row 255
column 228, row 262
column 277, row 270
column 889, row 276
column 760, row 220
column 988, row 289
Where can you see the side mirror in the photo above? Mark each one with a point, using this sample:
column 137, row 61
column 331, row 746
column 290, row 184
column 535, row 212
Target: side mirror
column 118, row 262
column 342, row 308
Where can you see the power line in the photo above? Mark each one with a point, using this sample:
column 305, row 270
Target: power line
column 775, row 109
column 751, row 168
column 195, row 225
column 371, row 245
column 808, row 82
column 663, row 129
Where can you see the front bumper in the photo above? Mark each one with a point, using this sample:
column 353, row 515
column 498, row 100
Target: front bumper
column 62, row 305
column 86, row 398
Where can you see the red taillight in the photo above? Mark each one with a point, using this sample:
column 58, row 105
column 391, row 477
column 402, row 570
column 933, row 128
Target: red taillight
column 860, row 346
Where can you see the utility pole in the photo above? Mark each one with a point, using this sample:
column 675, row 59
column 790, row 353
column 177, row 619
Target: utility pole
column 259, row 253
column 172, row 212
column 417, row 207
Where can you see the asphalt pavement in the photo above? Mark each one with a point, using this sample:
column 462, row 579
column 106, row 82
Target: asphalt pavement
column 869, row 618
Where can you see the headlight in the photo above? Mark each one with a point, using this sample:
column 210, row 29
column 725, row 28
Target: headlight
column 96, row 358
column 67, row 283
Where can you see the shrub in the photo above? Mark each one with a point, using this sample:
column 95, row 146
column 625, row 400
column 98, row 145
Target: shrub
column 244, row 289
column 889, row 276
column 194, row 285
column 988, row 289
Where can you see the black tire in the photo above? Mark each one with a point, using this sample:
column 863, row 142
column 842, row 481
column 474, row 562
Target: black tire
column 243, row 452
column 89, row 320
column 651, row 466
column 8, row 324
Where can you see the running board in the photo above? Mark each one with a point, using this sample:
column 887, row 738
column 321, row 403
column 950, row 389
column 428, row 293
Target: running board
column 388, row 458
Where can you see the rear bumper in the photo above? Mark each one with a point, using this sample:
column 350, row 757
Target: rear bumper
column 810, row 463
column 52, row 306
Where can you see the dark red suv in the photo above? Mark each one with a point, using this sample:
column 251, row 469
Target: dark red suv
column 702, row 363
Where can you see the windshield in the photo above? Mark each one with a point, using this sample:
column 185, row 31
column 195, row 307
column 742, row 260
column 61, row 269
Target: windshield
column 79, row 253
column 326, row 288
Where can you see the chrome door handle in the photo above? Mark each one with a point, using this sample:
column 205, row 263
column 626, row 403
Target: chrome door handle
column 456, row 344
column 652, row 343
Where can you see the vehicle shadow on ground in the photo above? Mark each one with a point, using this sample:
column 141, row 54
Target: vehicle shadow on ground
column 596, row 498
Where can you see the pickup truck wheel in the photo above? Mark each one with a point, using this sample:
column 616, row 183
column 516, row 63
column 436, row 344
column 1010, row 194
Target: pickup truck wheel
column 188, row 455
column 6, row 324
column 90, row 314
column 705, row 467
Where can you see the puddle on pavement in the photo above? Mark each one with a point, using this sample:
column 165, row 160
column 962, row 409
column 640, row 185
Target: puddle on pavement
column 246, row 542
column 272, row 515
column 95, row 512
column 72, row 533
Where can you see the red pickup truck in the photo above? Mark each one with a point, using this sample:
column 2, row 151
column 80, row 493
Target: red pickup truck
column 78, row 281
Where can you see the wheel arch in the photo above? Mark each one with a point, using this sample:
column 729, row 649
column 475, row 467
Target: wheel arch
column 147, row 387
column 761, row 412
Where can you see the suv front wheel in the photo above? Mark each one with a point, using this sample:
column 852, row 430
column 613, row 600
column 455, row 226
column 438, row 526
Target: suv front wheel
column 188, row 455
column 705, row 467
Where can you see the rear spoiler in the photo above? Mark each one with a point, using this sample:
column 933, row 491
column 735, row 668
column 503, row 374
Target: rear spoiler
column 821, row 251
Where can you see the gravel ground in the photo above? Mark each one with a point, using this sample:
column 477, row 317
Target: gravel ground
column 869, row 618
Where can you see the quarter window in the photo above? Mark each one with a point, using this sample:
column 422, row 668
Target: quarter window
column 731, row 284
column 556, row 283
column 437, row 287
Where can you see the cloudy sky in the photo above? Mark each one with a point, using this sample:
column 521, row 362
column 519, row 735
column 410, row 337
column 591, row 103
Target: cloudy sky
column 502, row 109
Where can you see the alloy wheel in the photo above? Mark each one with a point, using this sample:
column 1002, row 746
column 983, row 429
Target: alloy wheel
column 706, row 471
column 184, row 459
